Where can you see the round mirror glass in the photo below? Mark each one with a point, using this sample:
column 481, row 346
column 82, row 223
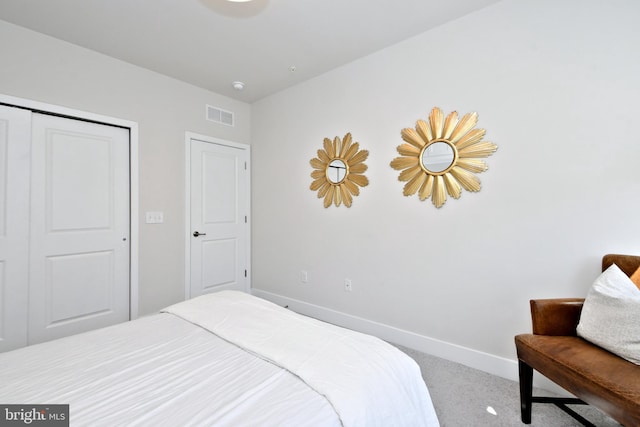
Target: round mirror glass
column 437, row 157
column 336, row 171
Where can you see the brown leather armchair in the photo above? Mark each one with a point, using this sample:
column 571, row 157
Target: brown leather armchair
column 594, row 375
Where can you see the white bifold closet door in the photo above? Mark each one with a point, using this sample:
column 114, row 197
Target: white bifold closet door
column 76, row 201
column 15, row 143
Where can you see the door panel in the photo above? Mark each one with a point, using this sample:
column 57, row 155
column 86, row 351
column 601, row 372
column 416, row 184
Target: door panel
column 15, row 140
column 79, row 246
column 222, row 267
column 219, row 187
column 219, row 206
column 78, row 174
column 89, row 275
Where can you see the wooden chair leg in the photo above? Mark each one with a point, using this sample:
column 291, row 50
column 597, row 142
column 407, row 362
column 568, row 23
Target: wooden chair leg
column 525, row 373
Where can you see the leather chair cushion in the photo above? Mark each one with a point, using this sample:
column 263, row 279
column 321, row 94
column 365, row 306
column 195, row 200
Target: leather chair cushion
column 596, row 376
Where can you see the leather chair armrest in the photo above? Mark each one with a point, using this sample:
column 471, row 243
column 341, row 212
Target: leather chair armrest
column 558, row 316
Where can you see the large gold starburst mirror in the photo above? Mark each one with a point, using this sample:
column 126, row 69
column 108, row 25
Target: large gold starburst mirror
column 442, row 156
column 339, row 171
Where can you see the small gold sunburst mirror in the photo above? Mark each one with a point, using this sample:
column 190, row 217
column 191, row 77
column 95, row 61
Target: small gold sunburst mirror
column 442, row 156
column 339, row 171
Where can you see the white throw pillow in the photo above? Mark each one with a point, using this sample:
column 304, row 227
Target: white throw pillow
column 611, row 315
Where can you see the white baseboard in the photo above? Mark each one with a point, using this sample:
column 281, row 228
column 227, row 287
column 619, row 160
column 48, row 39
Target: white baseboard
column 495, row 365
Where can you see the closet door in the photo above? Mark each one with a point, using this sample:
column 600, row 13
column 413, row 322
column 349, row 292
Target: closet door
column 79, row 241
column 15, row 131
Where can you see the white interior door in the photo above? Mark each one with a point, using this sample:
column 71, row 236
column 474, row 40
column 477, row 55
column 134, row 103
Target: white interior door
column 15, row 141
column 219, row 209
column 79, row 242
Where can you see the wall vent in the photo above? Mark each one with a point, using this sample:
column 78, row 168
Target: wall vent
column 219, row 115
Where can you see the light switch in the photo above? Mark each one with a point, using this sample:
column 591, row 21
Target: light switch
column 155, row 218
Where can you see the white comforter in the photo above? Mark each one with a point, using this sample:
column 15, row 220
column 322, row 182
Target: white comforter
column 161, row 370
column 368, row 382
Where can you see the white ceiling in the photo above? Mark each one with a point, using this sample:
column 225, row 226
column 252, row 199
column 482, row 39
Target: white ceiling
column 211, row 43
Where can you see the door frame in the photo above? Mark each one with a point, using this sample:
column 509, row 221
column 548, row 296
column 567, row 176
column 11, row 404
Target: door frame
column 188, row 136
column 56, row 110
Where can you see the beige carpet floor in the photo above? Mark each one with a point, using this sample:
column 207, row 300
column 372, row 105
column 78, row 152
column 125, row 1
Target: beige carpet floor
column 466, row 397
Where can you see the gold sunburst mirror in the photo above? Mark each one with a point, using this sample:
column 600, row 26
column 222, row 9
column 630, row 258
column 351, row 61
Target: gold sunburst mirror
column 339, row 171
column 441, row 156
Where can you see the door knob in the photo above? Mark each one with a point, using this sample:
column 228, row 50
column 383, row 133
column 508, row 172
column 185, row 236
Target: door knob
column 196, row 234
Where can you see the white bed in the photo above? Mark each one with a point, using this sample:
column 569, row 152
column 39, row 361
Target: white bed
column 223, row 359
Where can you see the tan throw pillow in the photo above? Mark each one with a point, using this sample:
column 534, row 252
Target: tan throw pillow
column 611, row 315
column 635, row 277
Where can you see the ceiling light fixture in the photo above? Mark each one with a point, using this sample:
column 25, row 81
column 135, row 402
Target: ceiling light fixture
column 237, row 85
column 238, row 1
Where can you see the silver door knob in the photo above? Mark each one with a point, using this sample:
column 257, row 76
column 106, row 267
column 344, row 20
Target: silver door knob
column 197, row 233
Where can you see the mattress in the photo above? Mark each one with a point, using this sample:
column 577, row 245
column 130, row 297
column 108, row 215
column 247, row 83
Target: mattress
column 223, row 359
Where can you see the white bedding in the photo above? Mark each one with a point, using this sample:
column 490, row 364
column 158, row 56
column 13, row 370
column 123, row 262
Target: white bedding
column 368, row 382
column 158, row 371
column 164, row 371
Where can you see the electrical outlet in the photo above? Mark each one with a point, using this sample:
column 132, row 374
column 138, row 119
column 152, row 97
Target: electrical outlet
column 347, row 285
column 304, row 276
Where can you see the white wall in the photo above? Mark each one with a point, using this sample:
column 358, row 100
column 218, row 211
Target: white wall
column 38, row 67
column 556, row 85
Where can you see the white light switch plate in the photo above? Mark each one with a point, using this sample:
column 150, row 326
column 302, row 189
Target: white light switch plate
column 155, row 218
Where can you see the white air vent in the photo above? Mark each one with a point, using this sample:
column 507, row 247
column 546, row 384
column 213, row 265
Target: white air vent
column 219, row 115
